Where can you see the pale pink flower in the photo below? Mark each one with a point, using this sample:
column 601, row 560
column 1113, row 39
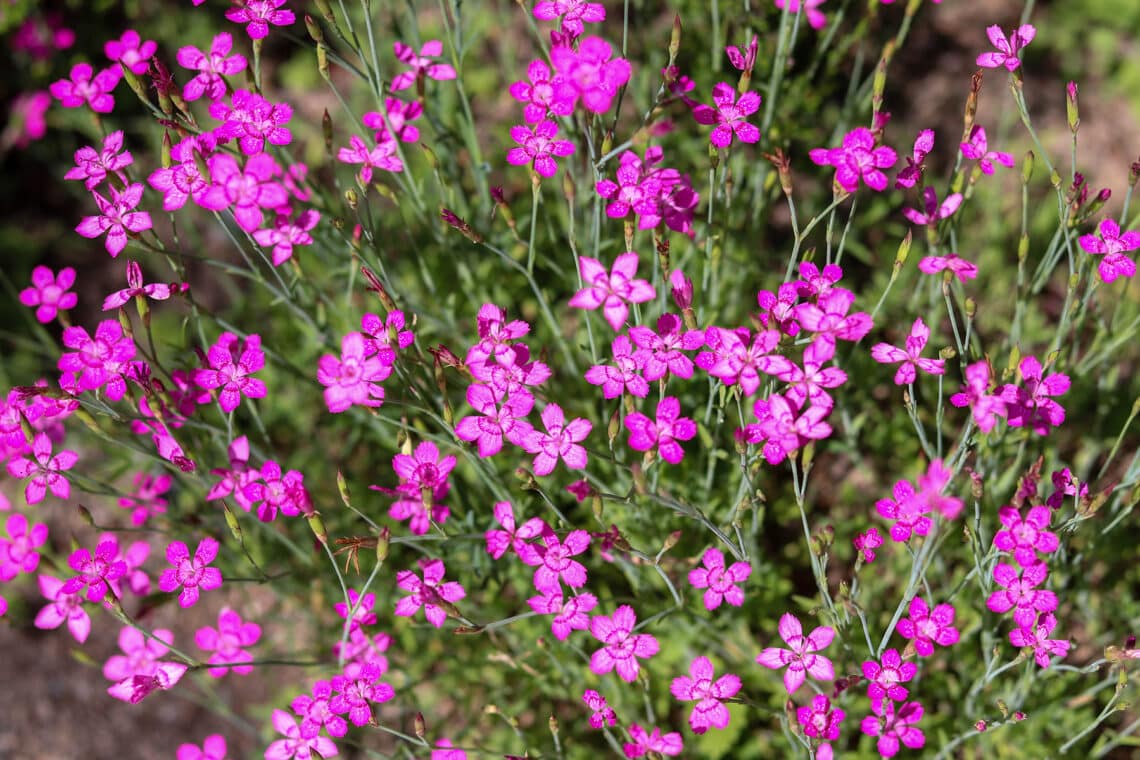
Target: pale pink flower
column 800, row 658
column 231, row 364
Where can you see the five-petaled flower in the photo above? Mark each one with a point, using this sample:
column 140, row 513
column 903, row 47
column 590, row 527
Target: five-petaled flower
column 1024, row 537
column 296, row 744
column 228, row 642
column 356, row 688
column 571, row 14
column 248, row 190
column 87, row 87
column 538, row 145
column 800, row 658
column 62, row 608
column 709, row 694
column 257, row 15
column 1030, row 404
column 96, row 571
column 1007, row 48
column 49, row 293
column 354, row 378
column 894, row 725
column 553, row 560
column 131, row 51
column 976, row 148
column 381, row 157
column 664, row 432
column 955, row 264
column 589, row 73
column 560, row 441
column 866, row 542
column 422, row 65
column 231, row 364
column 1020, row 593
column 932, row 212
column 984, row 406
column 820, row 721
column 614, row 290
column 431, row 593
column 18, row 551
column 857, row 158
column 191, row 574
column 885, row 353
column 1114, row 246
column 570, row 612
column 116, row 218
column 211, row 67
column 887, row 675
column 45, row 470
column 928, row 627
column 719, row 581
column 500, row 416
column 93, row 166
column 621, row 646
column 729, row 115
column 1037, row 637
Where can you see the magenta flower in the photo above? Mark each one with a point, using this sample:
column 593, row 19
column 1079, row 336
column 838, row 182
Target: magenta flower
column 778, row 310
column 45, row 470
column 887, row 675
column 709, row 694
column 496, row 338
column 932, row 212
column 287, row 233
column 866, row 542
column 664, row 432
column 130, row 51
column 885, row 353
column 553, row 560
column 18, row 551
column 134, row 689
column 228, row 642
column 589, row 73
column 784, row 427
column 1020, row 593
column 98, row 361
column 354, row 378
column 49, row 292
column 136, row 289
column 87, row 88
column 928, row 627
column 570, row 613
column 512, row 537
column 430, row 593
column 571, row 14
column 729, row 115
column 422, row 65
column 211, row 67
column 396, row 126
column 381, row 157
column 538, row 146
column 237, row 476
column 1025, row 537
column 816, row 18
column 613, row 291
column 908, row 510
column 820, row 720
column 800, row 659
column 93, row 166
column 641, row 187
column 1030, row 404
column 1065, row 484
column 977, row 149
column 829, row 316
column 856, row 159
column 621, row 646
column 560, row 441
column 183, row 180
column 737, row 356
column 424, row 470
column 190, row 573
column 494, row 421
column 720, row 582
column 1113, row 246
column 538, row 94
column 140, row 655
column 443, row 751
column 146, row 497
column 279, row 492
column 357, row 688
column 624, row 375
column 315, row 711
column 1044, row 648
column 959, row 267
column 744, row 61
column 63, row 608
column 358, row 610
column 116, row 218
column 985, row 408
column 665, row 744
column 663, row 348
column 807, row 383
column 513, row 377
column 253, row 121
column 134, row 556
column 894, row 726
column 296, row 745
column 603, row 714
column 26, row 122
column 912, row 173
column 1007, row 49
column 258, row 15
column 95, row 571
column 213, row 748
column 231, row 365
column 248, row 190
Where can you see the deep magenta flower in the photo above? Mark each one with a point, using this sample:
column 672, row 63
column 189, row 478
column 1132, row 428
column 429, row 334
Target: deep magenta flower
column 358, row 610
column 737, row 356
column 976, row 148
column 131, row 51
column 664, row 432
column 589, row 73
column 95, row 571
column 986, row 408
column 354, row 378
column 512, row 537
column 248, row 190
column 443, row 750
column 496, row 338
column 887, row 675
column 213, row 748
column 894, row 726
column 932, row 212
column 621, row 646
column 287, row 233
column 553, row 560
column 135, row 289
column 431, row 592
column 63, row 608
column 885, row 353
column 641, row 187
column 87, row 88
column 315, row 712
column 183, row 180
column 515, row 376
column 116, row 218
column 571, row 14
column 959, row 267
column 866, row 543
column 231, row 364
column 356, row 689
column 253, row 121
column 1065, row 484
column 665, row 744
column 1030, row 404
column 1113, row 245
column 1020, row 593
column 857, row 159
column 820, row 720
column 663, row 348
column 190, row 573
column 729, row 115
column 570, row 613
column 1025, row 537
column 381, row 157
column 136, row 688
column 538, row 94
column 46, row 471
column 720, row 582
column 394, row 123
column 928, row 627
column 423, row 67
column 912, row 173
column 784, row 427
column 625, row 374
column 228, row 643
column 808, row 383
column 829, row 316
column 49, row 293
column 99, row 361
column 908, row 511
column 140, row 655
column 499, row 417
column 708, row 693
column 237, row 476
column 93, row 166
column 745, row 61
column 424, row 470
column 1037, row 637
column 18, row 551
column 816, row 18
column 1007, row 48
column 800, row 658
column 278, row 492
column 258, row 15
column 614, row 290
column 561, row 441
column 603, row 714
column 295, row 745
column 537, row 145
column 211, row 67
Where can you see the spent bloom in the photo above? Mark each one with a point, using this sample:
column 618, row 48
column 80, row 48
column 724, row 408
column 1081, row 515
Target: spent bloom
column 729, row 115
column 857, row 159
column 422, row 65
column 231, row 364
column 664, row 432
column 561, row 441
column 1114, row 246
column 116, row 218
column 131, row 51
column 1007, row 48
column 708, row 693
column 589, row 73
column 800, row 658
column 430, row 592
column 228, row 642
column 211, row 67
column 537, row 145
column 976, row 148
column 49, row 293
column 885, row 353
column 928, row 627
column 46, row 471
column 92, row 166
column 1024, row 537
column 720, row 582
column 190, row 573
column 621, row 646
column 85, row 87
column 614, row 290
column 257, row 15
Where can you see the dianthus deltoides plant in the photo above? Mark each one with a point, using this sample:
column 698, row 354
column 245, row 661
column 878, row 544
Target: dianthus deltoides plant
column 677, row 405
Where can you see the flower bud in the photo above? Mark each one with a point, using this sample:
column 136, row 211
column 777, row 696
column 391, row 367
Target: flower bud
column 232, row 522
column 980, row 726
column 675, row 39
column 553, row 724
column 318, row 527
column 419, row 725
column 670, row 541
column 1071, row 110
column 314, row 29
column 1027, row 167
column 383, row 542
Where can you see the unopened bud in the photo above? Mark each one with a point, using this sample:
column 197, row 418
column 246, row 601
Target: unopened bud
column 86, row 516
column 318, row 527
column 1071, row 110
column 1027, row 167
column 352, row 198
column 526, row 477
column 980, row 726
column 383, row 543
column 553, row 724
column 903, row 251
column 971, row 105
column 670, row 541
column 419, row 725
column 675, row 39
column 232, row 523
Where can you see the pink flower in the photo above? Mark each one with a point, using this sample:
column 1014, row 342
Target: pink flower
column 315, row 711
column 816, row 18
column 571, row 14
column 708, row 694
column 986, row 408
column 231, row 365
column 720, row 582
column 247, row 190
column 211, row 67
column 1113, row 246
column 744, row 61
column 213, row 748
column 444, row 751
column 570, row 613
column 49, row 292
column 140, row 654
column 624, row 375
column 729, row 115
column 886, row 676
column 130, row 51
column 664, row 432
column 894, row 726
column 977, row 149
column 928, row 627
column 381, row 157
column 82, row 89
column 539, row 94
column 500, row 416
column 663, row 349
column 285, row 493
column 98, row 361
column 621, row 646
column 393, row 123
column 26, row 122
column 915, row 166
column 666, row 744
column 46, row 471
column 933, row 213
column 136, row 289
column 430, row 593
column 1007, row 48
column 134, row 689
column 354, row 378
column 95, row 571
column 807, row 383
column 258, row 15
column 512, row 537
column 553, row 560
column 885, row 353
column 613, row 291
column 18, row 551
column 958, row 266
column 422, row 65
column 538, row 146
column 1025, row 537
column 183, row 179
column 784, row 427
column 737, row 356
column 287, row 233
column 1037, row 637
column 820, row 720
column 191, row 574
column 295, row 744
column 589, row 73
column 1020, row 593
column 829, row 316
column 603, row 714
column 800, row 659
column 866, row 542
column 64, row 608
column 116, row 218
column 93, row 166
column 228, row 642
column 856, row 159
column 235, row 478
column 560, row 441
column 358, row 687
column 908, row 511
column 358, row 610
column 1030, row 404
column 641, row 187
column 1065, row 484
